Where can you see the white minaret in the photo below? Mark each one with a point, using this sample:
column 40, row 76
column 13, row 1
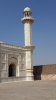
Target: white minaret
column 27, row 20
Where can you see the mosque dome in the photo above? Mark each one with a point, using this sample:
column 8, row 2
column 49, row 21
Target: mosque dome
column 27, row 9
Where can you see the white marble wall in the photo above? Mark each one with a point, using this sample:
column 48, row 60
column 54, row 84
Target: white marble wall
column 12, row 57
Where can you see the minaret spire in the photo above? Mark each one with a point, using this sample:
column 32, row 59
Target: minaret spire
column 27, row 20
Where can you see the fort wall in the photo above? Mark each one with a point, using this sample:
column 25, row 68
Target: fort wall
column 44, row 72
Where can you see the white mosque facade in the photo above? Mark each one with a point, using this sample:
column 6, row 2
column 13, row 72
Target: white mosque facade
column 16, row 61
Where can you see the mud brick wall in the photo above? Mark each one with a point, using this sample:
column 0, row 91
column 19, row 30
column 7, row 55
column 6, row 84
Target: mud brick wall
column 44, row 70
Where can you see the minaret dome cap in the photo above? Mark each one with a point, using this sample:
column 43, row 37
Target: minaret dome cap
column 27, row 9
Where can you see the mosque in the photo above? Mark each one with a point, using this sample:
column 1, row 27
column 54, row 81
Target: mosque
column 16, row 61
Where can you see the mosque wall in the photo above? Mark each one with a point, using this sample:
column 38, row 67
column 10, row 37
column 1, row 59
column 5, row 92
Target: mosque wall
column 14, row 58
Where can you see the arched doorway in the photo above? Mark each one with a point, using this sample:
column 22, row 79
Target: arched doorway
column 12, row 70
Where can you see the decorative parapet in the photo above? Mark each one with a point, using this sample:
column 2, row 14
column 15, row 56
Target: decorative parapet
column 10, row 46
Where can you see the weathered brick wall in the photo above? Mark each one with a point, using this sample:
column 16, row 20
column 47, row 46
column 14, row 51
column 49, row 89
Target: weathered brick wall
column 44, row 72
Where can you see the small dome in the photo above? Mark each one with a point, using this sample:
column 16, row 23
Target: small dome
column 27, row 9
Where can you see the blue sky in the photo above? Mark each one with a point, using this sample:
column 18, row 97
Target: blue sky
column 43, row 30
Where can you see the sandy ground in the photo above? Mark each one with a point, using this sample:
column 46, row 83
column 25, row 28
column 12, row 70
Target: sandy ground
column 34, row 90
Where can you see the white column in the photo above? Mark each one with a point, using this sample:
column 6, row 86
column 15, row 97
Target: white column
column 7, row 64
column 28, row 64
column 27, row 34
column 17, row 68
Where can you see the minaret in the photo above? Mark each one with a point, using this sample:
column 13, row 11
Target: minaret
column 27, row 20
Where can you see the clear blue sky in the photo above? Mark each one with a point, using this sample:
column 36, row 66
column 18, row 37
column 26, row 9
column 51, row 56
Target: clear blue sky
column 43, row 30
